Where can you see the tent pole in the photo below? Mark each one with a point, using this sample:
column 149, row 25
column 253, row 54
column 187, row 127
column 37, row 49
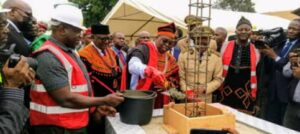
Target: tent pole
column 136, row 20
column 142, row 26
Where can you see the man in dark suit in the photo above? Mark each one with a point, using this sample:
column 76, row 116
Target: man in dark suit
column 19, row 18
column 292, row 70
column 277, row 86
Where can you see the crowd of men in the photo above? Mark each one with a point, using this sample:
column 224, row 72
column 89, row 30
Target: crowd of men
column 81, row 71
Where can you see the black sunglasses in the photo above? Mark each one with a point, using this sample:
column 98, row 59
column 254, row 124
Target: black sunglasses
column 103, row 38
column 167, row 41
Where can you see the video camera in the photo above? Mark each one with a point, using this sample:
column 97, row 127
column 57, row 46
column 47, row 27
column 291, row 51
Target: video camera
column 13, row 58
column 271, row 37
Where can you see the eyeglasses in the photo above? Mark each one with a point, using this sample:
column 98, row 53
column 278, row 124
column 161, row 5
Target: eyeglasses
column 203, row 41
column 167, row 41
column 103, row 38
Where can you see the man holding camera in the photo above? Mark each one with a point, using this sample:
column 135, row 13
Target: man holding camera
column 277, row 86
column 60, row 97
column 13, row 114
column 292, row 70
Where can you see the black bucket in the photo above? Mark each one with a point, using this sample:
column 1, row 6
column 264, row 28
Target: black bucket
column 137, row 107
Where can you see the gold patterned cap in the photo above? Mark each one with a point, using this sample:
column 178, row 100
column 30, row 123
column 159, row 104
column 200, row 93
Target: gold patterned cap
column 202, row 31
column 192, row 20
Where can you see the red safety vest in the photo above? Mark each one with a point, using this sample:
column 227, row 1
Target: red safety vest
column 253, row 58
column 44, row 110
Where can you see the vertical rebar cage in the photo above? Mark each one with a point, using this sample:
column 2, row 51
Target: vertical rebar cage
column 198, row 10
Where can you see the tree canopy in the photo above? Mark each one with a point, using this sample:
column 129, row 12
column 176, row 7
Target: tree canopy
column 94, row 10
column 235, row 5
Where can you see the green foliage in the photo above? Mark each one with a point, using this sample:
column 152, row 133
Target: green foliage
column 94, row 10
column 235, row 5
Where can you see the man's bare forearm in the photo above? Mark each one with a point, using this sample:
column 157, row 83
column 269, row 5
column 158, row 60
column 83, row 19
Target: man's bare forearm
column 80, row 101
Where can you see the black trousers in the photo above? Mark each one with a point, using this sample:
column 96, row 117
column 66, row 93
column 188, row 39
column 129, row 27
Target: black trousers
column 292, row 116
column 55, row 130
column 275, row 111
column 96, row 127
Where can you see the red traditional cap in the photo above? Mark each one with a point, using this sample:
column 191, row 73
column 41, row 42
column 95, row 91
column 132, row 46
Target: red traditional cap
column 42, row 25
column 88, row 31
column 167, row 30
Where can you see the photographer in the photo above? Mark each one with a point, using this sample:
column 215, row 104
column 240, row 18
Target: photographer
column 292, row 70
column 13, row 114
column 277, row 86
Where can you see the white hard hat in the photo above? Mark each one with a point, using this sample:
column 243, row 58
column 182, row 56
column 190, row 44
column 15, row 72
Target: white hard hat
column 69, row 14
column 4, row 10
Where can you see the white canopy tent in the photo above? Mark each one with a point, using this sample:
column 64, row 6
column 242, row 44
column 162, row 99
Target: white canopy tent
column 133, row 16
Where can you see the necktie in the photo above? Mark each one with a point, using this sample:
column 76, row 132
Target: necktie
column 285, row 49
column 121, row 57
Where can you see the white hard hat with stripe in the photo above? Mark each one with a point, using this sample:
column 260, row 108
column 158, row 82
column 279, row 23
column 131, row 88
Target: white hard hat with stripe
column 68, row 13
